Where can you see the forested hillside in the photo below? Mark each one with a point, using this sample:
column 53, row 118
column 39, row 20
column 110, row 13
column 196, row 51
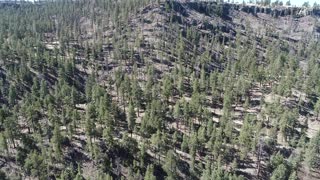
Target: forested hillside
column 154, row 89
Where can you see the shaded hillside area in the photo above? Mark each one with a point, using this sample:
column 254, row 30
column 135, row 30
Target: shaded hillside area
column 143, row 89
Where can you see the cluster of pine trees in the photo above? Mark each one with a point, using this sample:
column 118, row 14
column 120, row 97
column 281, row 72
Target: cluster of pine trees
column 83, row 86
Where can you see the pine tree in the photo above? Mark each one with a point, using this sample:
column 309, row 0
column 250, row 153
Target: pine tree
column 4, row 144
column 131, row 118
column 170, row 165
column 137, row 94
column 180, row 85
column 245, row 137
column 12, row 95
column 35, row 165
column 317, row 109
column 156, row 140
column 12, row 129
column 108, row 137
column 280, row 173
column 276, row 160
column 174, row 139
column 288, row 123
column 167, row 88
column 90, row 119
column 89, row 85
column 43, row 89
column 313, row 152
column 79, row 173
column 293, row 176
column 206, row 173
column 194, row 142
column 35, row 88
column 57, row 141
column 202, row 139
column 177, row 113
column 149, row 173
column 185, row 143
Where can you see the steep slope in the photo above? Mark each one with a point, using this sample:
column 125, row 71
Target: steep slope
column 180, row 90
